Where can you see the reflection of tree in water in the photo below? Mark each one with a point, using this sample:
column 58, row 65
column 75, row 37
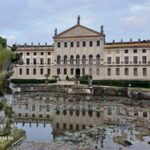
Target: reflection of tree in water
column 7, row 120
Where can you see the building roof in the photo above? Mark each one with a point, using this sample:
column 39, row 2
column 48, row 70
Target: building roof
column 89, row 32
column 131, row 44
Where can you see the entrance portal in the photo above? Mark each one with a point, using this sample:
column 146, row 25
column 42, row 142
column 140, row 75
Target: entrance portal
column 77, row 72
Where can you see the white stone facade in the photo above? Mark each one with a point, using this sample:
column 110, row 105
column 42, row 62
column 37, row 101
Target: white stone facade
column 82, row 51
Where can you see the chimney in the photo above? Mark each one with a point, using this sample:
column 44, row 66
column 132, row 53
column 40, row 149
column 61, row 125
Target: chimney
column 113, row 41
column 32, row 43
column 102, row 29
column 130, row 40
column 139, row 40
column 55, row 32
column 121, row 40
column 38, row 43
column 45, row 43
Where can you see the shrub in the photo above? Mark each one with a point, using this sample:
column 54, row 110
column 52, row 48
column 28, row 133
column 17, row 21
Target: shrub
column 121, row 83
column 31, row 81
column 67, row 78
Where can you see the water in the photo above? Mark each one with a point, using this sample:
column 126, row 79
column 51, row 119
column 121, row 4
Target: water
column 44, row 116
column 39, row 132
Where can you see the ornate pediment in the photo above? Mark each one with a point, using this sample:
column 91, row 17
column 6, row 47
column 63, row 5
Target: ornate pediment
column 78, row 31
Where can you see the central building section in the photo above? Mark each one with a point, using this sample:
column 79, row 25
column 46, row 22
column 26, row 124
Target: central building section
column 78, row 52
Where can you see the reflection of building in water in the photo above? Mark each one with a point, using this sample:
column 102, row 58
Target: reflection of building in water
column 76, row 115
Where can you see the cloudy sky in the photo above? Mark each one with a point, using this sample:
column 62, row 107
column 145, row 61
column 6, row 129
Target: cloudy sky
column 26, row 21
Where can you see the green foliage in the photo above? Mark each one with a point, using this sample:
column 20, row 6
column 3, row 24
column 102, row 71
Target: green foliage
column 31, row 81
column 121, row 83
column 3, row 42
column 85, row 77
column 67, row 78
column 14, row 48
column 5, row 58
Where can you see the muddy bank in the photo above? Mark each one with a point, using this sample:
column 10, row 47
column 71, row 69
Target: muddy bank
column 133, row 93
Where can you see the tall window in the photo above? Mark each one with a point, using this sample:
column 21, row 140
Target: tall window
column 126, row 51
column 117, row 71
column 65, row 71
column 58, row 44
column 48, row 71
column 126, row 71
column 135, row 51
column 41, row 71
column 90, row 43
column 108, row 60
column 144, row 71
column 135, row 71
column 65, row 44
column 84, row 60
column 58, row 60
column 78, row 44
column 117, row 60
column 90, row 60
column 144, row 59
column 41, row 61
column 27, row 71
column 71, row 60
column 143, row 50
column 65, row 59
column 135, row 59
column 126, row 60
column 109, row 71
column 72, row 44
column 98, row 59
column 42, row 53
column 77, row 59
column 97, row 43
column 34, row 61
column 20, row 71
column 34, row 71
column 84, row 44
column 58, row 71
column 28, row 61
column 48, row 61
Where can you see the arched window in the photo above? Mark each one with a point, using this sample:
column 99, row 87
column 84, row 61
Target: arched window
column 71, row 111
column 58, row 60
column 71, row 60
column 77, row 113
column 90, row 60
column 57, row 112
column 65, row 59
column 77, row 59
column 83, row 112
column 98, row 59
column 64, row 112
column 84, row 60
column 90, row 112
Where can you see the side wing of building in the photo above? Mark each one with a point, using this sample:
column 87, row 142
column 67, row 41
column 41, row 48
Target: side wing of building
column 37, row 62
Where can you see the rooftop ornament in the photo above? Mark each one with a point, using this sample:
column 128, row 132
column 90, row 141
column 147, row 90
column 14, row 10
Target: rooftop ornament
column 78, row 20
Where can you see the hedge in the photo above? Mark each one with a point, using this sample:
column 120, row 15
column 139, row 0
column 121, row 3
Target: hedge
column 121, row 83
column 31, row 81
